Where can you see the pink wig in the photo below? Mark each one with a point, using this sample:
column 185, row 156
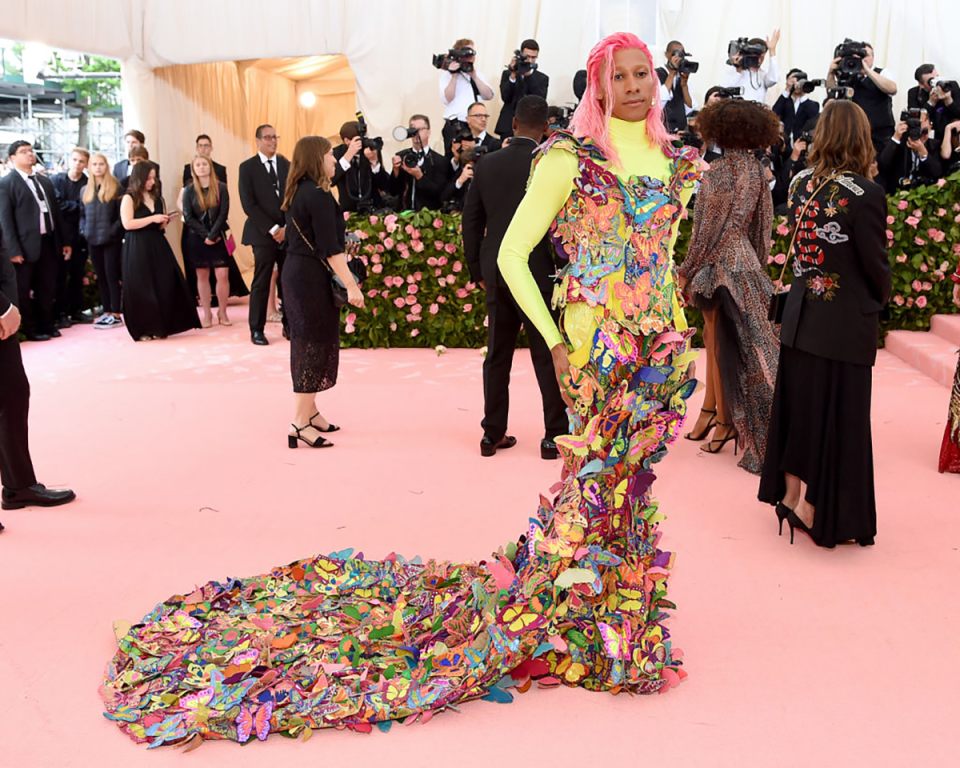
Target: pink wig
column 592, row 118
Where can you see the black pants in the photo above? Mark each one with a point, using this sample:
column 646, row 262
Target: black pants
column 40, row 277
column 16, row 469
column 106, row 263
column 506, row 318
column 70, row 276
column 264, row 257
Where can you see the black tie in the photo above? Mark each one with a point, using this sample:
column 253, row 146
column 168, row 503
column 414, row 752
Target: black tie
column 46, row 214
column 272, row 174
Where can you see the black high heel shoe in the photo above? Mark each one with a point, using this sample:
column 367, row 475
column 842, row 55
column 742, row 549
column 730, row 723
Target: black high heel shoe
column 330, row 427
column 711, row 423
column 708, row 448
column 795, row 522
column 318, row 443
column 782, row 512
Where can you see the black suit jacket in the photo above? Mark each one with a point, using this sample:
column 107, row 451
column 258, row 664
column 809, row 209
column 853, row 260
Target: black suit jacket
column 259, row 199
column 426, row 192
column 896, row 162
column 359, row 184
column 121, row 170
column 8, row 279
column 20, row 216
column 499, row 184
column 850, row 249
column 534, row 84
column 218, row 169
column 795, row 120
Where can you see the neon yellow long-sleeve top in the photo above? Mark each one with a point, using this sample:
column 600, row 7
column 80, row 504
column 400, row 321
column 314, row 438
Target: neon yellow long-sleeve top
column 551, row 185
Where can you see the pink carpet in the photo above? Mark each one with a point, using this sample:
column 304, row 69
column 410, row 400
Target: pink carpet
column 177, row 449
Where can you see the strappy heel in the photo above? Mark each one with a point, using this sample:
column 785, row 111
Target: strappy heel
column 708, row 448
column 318, row 443
column 330, row 427
column 711, row 423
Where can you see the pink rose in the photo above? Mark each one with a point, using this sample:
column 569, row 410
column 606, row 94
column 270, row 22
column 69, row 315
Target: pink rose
column 957, row 218
column 351, row 318
column 780, row 258
column 385, row 295
column 486, row 322
column 938, row 236
column 381, row 235
column 398, row 303
column 418, row 276
column 944, row 266
column 922, row 302
column 432, row 261
column 451, row 279
column 941, row 182
column 770, row 259
column 941, row 211
column 390, row 221
column 375, row 258
column 450, row 248
column 412, row 318
column 438, row 223
column 927, row 286
column 410, row 300
column 376, row 269
column 889, row 235
column 380, row 247
column 910, row 301
column 373, row 292
column 404, row 254
column 956, row 248
column 346, row 215
column 434, row 308
column 890, row 219
column 902, row 258
column 924, row 267
column 918, row 213
column 470, row 286
column 441, row 299
column 415, row 332
column 374, row 311
column 956, row 207
column 913, row 221
column 457, row 266
column 461, row 293
column 916, row 285
column 408, row 229
column 348, row 328
column 467, row 308
column 898, row 300
column 388, row 243
column 418, row 246
column 782, row 229
column 393, row 326
column 902, row 205
column 437, row 273
column 412, row 289
column 415, row 235
column 363, row 235
column 442, row 261
column 437, row 245
column 919, row 241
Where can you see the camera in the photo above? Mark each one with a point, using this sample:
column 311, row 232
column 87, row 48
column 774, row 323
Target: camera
column 686, row 65
column 807, row 85
column 455, row 56
column 912, row 118
column 521, row 66
column 839, row 94
column 851, row 55
column 943, row 84
column 690, row 139
column 409, row 157
column 749, row 53
column 730, row 93
column 368, row 143
column 807, row 137
column 559, row 117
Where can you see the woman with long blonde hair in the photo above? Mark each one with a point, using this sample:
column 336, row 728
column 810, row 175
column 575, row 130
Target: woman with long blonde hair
column 206, row 204
column 101, row 226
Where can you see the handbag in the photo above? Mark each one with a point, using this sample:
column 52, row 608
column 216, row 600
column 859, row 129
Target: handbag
column 778, row 302
column 230, row 243
column 337, row 287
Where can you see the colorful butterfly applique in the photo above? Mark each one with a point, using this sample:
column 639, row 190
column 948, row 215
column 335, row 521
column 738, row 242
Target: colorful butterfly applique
column 171, row 729
column 254, row 720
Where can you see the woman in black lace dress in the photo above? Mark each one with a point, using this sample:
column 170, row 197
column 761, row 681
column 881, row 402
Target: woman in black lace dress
column 315, row 234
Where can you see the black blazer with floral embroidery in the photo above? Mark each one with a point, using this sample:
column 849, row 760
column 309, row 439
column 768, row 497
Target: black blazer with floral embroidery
column 841, row 269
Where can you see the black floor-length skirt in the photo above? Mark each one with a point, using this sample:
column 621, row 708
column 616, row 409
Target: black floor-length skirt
column 314, row 324
column 820, row 432
column 155, row 298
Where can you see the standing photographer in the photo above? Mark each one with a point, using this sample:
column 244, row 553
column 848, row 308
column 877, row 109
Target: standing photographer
column 911, row 158
column 359, row 176
column 520, row 78
column 795, row 108
column 419, row 174
column 460, row 86
column 873, row 87
column 747, row 62
column 675, row 89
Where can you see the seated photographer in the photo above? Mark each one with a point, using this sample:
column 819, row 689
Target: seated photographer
column 557, row 117
column 911, row 158
column 359, row 176
column 419, row 174
column 746, row 64
column 461, row 143
column 950, row 148
column 794, row 107
column 873, row 87
column 675, row 87
column 455, row 193
column 520, row 78
column 460, row 86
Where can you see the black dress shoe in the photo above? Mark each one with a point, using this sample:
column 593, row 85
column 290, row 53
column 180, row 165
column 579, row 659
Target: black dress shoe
column 81, row 319
column 54, row 333
column 35, row 496
column 1, row 526
column 489, row 448
column 39, row 336
column 548, row 450
column 63, row 321
column 258, row 338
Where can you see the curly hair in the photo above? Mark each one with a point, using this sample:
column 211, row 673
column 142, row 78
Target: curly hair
column 738, row 124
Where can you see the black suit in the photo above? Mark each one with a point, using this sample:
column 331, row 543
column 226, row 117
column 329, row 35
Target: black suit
column 121, row 171
column 16, row 469
column 261, row 202
column 359, row 186
column 20, row 221
column 499, row 184
column 218, row 169
column 896, row 162
column 416, row 194
column 795, row 118
column 70, row 273
column 534, row 84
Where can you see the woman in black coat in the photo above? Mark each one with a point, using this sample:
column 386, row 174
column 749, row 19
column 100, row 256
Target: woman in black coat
column 206, row 205
column 101, row 226
column 315, row 239
column 819, row 463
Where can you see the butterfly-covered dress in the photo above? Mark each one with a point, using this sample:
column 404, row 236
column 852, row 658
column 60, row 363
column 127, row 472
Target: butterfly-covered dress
column 950, row 447
column 579, row 600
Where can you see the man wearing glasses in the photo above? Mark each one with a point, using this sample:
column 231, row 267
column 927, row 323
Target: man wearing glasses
column 520, row 78
column 477, row 118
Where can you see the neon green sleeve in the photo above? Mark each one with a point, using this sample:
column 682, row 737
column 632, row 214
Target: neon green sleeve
column 549, row 189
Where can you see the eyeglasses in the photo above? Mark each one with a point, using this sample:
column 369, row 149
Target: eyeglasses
column 269, row 137
column 479, row 114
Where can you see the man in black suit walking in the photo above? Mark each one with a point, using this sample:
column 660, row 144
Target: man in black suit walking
column 20, row 487
column 33, row 229
column 262, row 182
column 499, row 184
column 520, row 79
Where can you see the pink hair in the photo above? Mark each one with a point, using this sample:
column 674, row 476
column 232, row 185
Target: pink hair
column 592, row 117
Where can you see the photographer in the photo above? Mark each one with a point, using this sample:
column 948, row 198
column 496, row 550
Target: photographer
column 419, row 174
column 359, row 176
column 918, row 97
column 950, row 148
column 460, row 86
column 943, row 104
column 557, row 118
column 675, row 88
column 461, row 143
column 520, row 78
column 746, row 59
column 455, row 193
column 911, row 158
column 795, row 108
column 873, row 87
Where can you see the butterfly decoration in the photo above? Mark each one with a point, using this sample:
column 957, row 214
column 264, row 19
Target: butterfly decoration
column 254, row 720
column 125, row 713
column 634, row 299
column 602, row 357
column 515, row 620
column 577, row 291
column 615, row 644
column 170, row 729
column 570, row 671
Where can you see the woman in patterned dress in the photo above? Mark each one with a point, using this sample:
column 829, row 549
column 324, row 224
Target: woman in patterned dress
column 581, row 599
column 950, row 449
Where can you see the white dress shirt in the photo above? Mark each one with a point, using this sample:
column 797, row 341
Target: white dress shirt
column 754, row 82
column 43, row 206
column 463, row 96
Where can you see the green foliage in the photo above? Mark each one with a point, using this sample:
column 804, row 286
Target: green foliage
column 94, row 94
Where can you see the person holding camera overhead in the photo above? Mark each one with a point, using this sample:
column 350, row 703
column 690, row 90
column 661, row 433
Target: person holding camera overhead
column 675, row 87
column 359, row 175
column 795, row 108
column 873, row 87
column 419, row 174
column 911, row 158
column 746, row 58
column 520, row 78
column 460, row 86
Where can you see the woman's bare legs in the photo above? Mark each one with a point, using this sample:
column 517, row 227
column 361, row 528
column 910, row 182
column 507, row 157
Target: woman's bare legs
column 223, row 294
column 203, row 289
column 710, row 395
column 795, row 499
column 724, row 426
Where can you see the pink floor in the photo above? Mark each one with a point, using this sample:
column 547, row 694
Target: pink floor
column 797, row 656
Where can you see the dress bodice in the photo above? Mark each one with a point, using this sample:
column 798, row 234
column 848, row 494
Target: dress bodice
column 142, row 211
